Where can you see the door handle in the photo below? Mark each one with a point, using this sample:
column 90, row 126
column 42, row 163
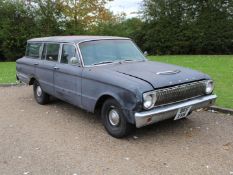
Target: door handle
column 36, row 64
column 56, row 68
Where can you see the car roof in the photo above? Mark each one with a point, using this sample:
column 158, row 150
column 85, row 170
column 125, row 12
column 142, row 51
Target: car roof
column 73, row 39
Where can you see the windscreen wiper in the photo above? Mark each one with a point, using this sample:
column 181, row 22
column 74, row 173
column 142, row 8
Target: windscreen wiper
column 103, row 62
column 128, row 60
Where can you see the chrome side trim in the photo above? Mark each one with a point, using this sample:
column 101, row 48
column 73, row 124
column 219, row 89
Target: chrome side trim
column 169, row 111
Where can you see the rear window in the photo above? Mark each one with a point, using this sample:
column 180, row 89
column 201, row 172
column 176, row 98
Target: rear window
column 33, row 50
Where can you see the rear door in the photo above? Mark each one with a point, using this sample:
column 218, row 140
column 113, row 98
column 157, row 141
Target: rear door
column 45, row 70
column 67, row 76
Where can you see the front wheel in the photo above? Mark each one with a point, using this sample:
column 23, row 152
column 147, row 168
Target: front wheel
column 114, row 120
column 40, row 96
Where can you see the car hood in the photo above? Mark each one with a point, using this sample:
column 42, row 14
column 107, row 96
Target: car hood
column 157, row 74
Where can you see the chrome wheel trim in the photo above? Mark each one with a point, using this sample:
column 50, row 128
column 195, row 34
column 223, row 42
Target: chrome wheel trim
column 114, row 117
column 38, row 91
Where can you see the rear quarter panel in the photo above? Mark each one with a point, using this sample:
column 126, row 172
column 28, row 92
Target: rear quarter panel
column 25, row 69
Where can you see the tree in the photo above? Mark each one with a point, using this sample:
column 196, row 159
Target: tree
column 25, row 19
column 84, row 15
column 15, row 27
column 184, row 27
column 121, row 26
column 49, row 17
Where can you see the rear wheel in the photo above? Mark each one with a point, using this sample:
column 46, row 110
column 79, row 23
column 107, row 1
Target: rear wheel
column 114, row 120
column 40, row 96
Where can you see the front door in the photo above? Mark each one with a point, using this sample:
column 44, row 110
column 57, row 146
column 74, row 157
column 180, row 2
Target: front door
column 67, row 76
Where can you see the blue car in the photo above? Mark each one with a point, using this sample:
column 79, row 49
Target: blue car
column 111, row 77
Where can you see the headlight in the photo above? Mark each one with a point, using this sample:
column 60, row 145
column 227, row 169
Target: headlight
column 149, row 99
column 209, row 87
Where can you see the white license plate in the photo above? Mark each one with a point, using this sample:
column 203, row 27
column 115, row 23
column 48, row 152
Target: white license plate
column 182, row 112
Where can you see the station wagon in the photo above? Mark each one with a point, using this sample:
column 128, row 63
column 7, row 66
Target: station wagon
column 111, row 77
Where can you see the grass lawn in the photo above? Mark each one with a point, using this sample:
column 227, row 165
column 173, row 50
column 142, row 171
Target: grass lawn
column 7, row 72
column 220, row 68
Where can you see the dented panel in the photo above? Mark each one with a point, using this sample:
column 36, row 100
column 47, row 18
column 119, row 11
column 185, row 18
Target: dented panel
column 83, row 85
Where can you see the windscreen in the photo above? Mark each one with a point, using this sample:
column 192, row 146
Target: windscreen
column 108, row 51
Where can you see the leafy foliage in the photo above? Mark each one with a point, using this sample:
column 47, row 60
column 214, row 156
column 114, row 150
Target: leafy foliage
column 166, row 26
column 22, row 20
column 184, row 27
column 13, row 31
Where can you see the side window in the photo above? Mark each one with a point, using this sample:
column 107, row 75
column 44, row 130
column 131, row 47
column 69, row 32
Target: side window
column 68, row 52
column 51, row 52
column 33, row 50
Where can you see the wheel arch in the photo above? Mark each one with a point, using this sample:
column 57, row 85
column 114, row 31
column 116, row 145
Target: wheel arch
column 32, row 80
column 101, row 101
column 127, row 112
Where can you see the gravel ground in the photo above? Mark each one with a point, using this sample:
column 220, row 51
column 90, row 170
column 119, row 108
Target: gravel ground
column 61, row 139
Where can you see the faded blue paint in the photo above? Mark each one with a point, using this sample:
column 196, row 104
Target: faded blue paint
column 83, row 86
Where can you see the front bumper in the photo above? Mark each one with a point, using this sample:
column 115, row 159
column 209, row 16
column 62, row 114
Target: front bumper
column 169, row 111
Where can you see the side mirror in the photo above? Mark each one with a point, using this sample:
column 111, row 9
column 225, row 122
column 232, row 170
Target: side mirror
column 145, row 53
column 74, row 61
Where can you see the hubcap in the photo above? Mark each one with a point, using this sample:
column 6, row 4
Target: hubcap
column 38, row 91
column 114, row 117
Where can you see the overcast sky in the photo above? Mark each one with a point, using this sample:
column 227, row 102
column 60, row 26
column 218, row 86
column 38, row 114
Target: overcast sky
column 127, row 6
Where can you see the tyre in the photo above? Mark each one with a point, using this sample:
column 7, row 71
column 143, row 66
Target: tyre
column 114, row 120
column 40, row 96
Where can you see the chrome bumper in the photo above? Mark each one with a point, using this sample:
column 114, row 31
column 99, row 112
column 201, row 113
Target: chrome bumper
column 169, row 111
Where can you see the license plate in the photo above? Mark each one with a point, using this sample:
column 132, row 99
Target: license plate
column 182, row 112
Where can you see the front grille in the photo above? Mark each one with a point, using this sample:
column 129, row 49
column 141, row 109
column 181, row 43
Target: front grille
column 180, row 92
